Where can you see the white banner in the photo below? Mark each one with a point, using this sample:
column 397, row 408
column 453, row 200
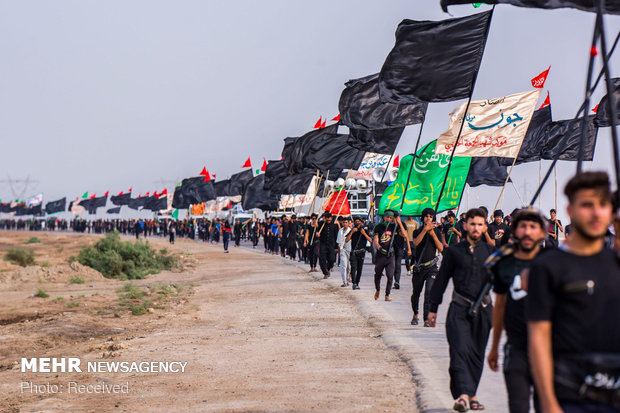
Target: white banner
column 370, row 162
column 34, row 200
column 492, row 127
column 296, row 200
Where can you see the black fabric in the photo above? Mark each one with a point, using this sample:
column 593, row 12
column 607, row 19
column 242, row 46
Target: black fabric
column 426, row 276
column 361, row 107
column 193, row 191
column 293, row 184
column 56, row 206
column 238, row 182
column 275, row 171
column 255, row 196
column 500, row 233
column 427, row 244
column 98, row 202
column 519, row 381
column 121, row 200
column 137, row 203
column 332, row 152
column 611, row 6
column 487, row 171
column 434, row 61
column 378, row 140
column 116, row 210
column 580, row 296
column 155, row 203
column 221, row 188
column 22, row 209
column 296, row 149
column 603, row 115
column 505, row 271
column 534, row 140
column 385, row 232
column 384, row 263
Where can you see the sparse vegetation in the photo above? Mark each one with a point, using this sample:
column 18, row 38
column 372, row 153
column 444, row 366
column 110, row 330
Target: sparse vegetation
column 20, row 256
column 41, row 294
column 76, row 280
column 45, row 264
column 59, row 298
column 132, row 298
column 125, row 260
column 73, row 304
column 33, row 240
column 59, row 249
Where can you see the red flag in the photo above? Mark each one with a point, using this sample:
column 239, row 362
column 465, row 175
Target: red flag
column 317, row 125
column 595, row 109
column 323, row 124
column 93, row 196
column 207, row 176
column 147, row 194
column 204, row 171
column 338, row 204
column 336, row 118
column 106, row 193
column 213, row 176
column 130, row 189
column 547, row 102
column 120, row 193
column 247, row 164
column 139, row 195
column 396, row 162
column 593, row 51
column 155, row 194
column 539, row 81
column 264, row 167
column 165, row 191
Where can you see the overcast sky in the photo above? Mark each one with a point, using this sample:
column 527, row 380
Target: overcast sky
column 107, row 95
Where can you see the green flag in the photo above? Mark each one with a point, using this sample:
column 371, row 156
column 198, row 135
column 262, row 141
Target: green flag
column 429, row 171
column 476, row 5
column 175, row 214
column 85, row 195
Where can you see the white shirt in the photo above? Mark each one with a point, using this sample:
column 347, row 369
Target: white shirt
column 342, row 235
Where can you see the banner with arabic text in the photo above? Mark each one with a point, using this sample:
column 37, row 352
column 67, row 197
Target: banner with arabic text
column 370, row 162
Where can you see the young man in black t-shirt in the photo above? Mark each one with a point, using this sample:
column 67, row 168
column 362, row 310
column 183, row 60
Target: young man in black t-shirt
column 529, row 230
column 498, row 230
column 451, row 235
column 384, row 244
column 358, row 236
column 573, row 308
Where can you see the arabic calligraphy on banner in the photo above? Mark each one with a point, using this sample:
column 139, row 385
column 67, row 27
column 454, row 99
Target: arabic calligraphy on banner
column 296, row 200
column 492, row 127
column 370, row 162
column 425, row 183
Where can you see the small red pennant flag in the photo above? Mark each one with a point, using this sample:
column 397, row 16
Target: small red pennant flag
column 336, row 118
column 323, row 124
column 147, row 194
column 120, row 193
column 213, row 176
column 204, row 171
column 207, row 177
column 264, row 167
column 93, row 196
column 139, row 195
column 539, row 81
column 155, row 194
column 317, row 125
column 593, row 51
column 130, row 189
column 106, row 193
column 165, row 191
column 547, row 102
column 396, row 162
column 247, row 164
column 595, row 109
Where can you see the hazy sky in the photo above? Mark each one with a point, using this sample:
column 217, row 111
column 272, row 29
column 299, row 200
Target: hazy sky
column 104, row 95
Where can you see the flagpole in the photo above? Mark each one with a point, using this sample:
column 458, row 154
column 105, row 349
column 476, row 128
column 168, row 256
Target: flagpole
column 539, row 173
column 555, row 188
column 518, row 194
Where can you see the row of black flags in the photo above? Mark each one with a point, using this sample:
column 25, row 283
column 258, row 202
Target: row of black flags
column 432, row 61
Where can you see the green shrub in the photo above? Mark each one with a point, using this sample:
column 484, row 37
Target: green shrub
column 33, row 240
column 123, row 259
column 59, row 298
column 132, row 297
column 41, row 294
column 45, row 264
column 20, row 256
column 76, row 280
column 73, row 304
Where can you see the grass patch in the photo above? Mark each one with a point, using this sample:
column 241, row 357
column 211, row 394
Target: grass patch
column 20, row 256
column 76, row 280
column 59, row 298
column 59, row 249
column 33, row 240
column 125, row 260
column 167, row 290
column 81, row 296
column 133, row 298
column 41, row 294
column 45, row 264
column 73, row 304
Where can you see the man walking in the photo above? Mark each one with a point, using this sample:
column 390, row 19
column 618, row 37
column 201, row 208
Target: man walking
column 327, row 244
column 358, row 237
column 384, row 244
column 344, row 245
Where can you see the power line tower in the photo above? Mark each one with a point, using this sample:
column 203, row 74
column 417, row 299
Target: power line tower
column 19, row 187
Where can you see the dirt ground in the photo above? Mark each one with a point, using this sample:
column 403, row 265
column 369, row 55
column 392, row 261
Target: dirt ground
column 257, row 333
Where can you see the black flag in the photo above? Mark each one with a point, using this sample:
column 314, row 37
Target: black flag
column 56, row 206
column 238, row 182
column 275, row 171
column 611, row 6
column 155, row 203
column 295, row 149
column 193, row 191
column 377, row 141
column 434, row 61
column 121, row 199
column 361, row 108
column 116, row 210
column 221, row 187
column 256, row 196
column 603, row 115
column 332, row 152
column 486, row 171
column 292, row 184
column 534, row 140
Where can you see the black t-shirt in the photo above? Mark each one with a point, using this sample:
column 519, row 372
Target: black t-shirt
column 385, row 232
column 450, row 237
column 580, row 295
column 499, row 233
column 358, row 241
column 508, row 281
column 430, row 250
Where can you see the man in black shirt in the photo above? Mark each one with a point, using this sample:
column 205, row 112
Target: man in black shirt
column 384, row 244
column 529, row 229
column 467, row 335
column 427, row 239
column 498, row 231
column 555, row 227
column 573, row 308
column 451, row 235
column 358, row 236
column 291, row 237
column 311, row 242
column 327, row 233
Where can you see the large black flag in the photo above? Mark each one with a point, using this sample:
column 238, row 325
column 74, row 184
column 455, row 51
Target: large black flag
column 116, row 210
column 256, row 196
column 434, row 61
column 56, row 206
column 5, row 207
column 292, row 184
column 603, row 115
column 486, row 171
column 361, row 107
column 332, row 152
column 377, row 140
column 611, row 6
column 155, row 203
column 221, row 187
column 120, row 200
column 137, row 203
column 22, row 209
column 296, row 149
column 534, row 140
column 193, row 191
column 238, row 182
column 275, row 171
